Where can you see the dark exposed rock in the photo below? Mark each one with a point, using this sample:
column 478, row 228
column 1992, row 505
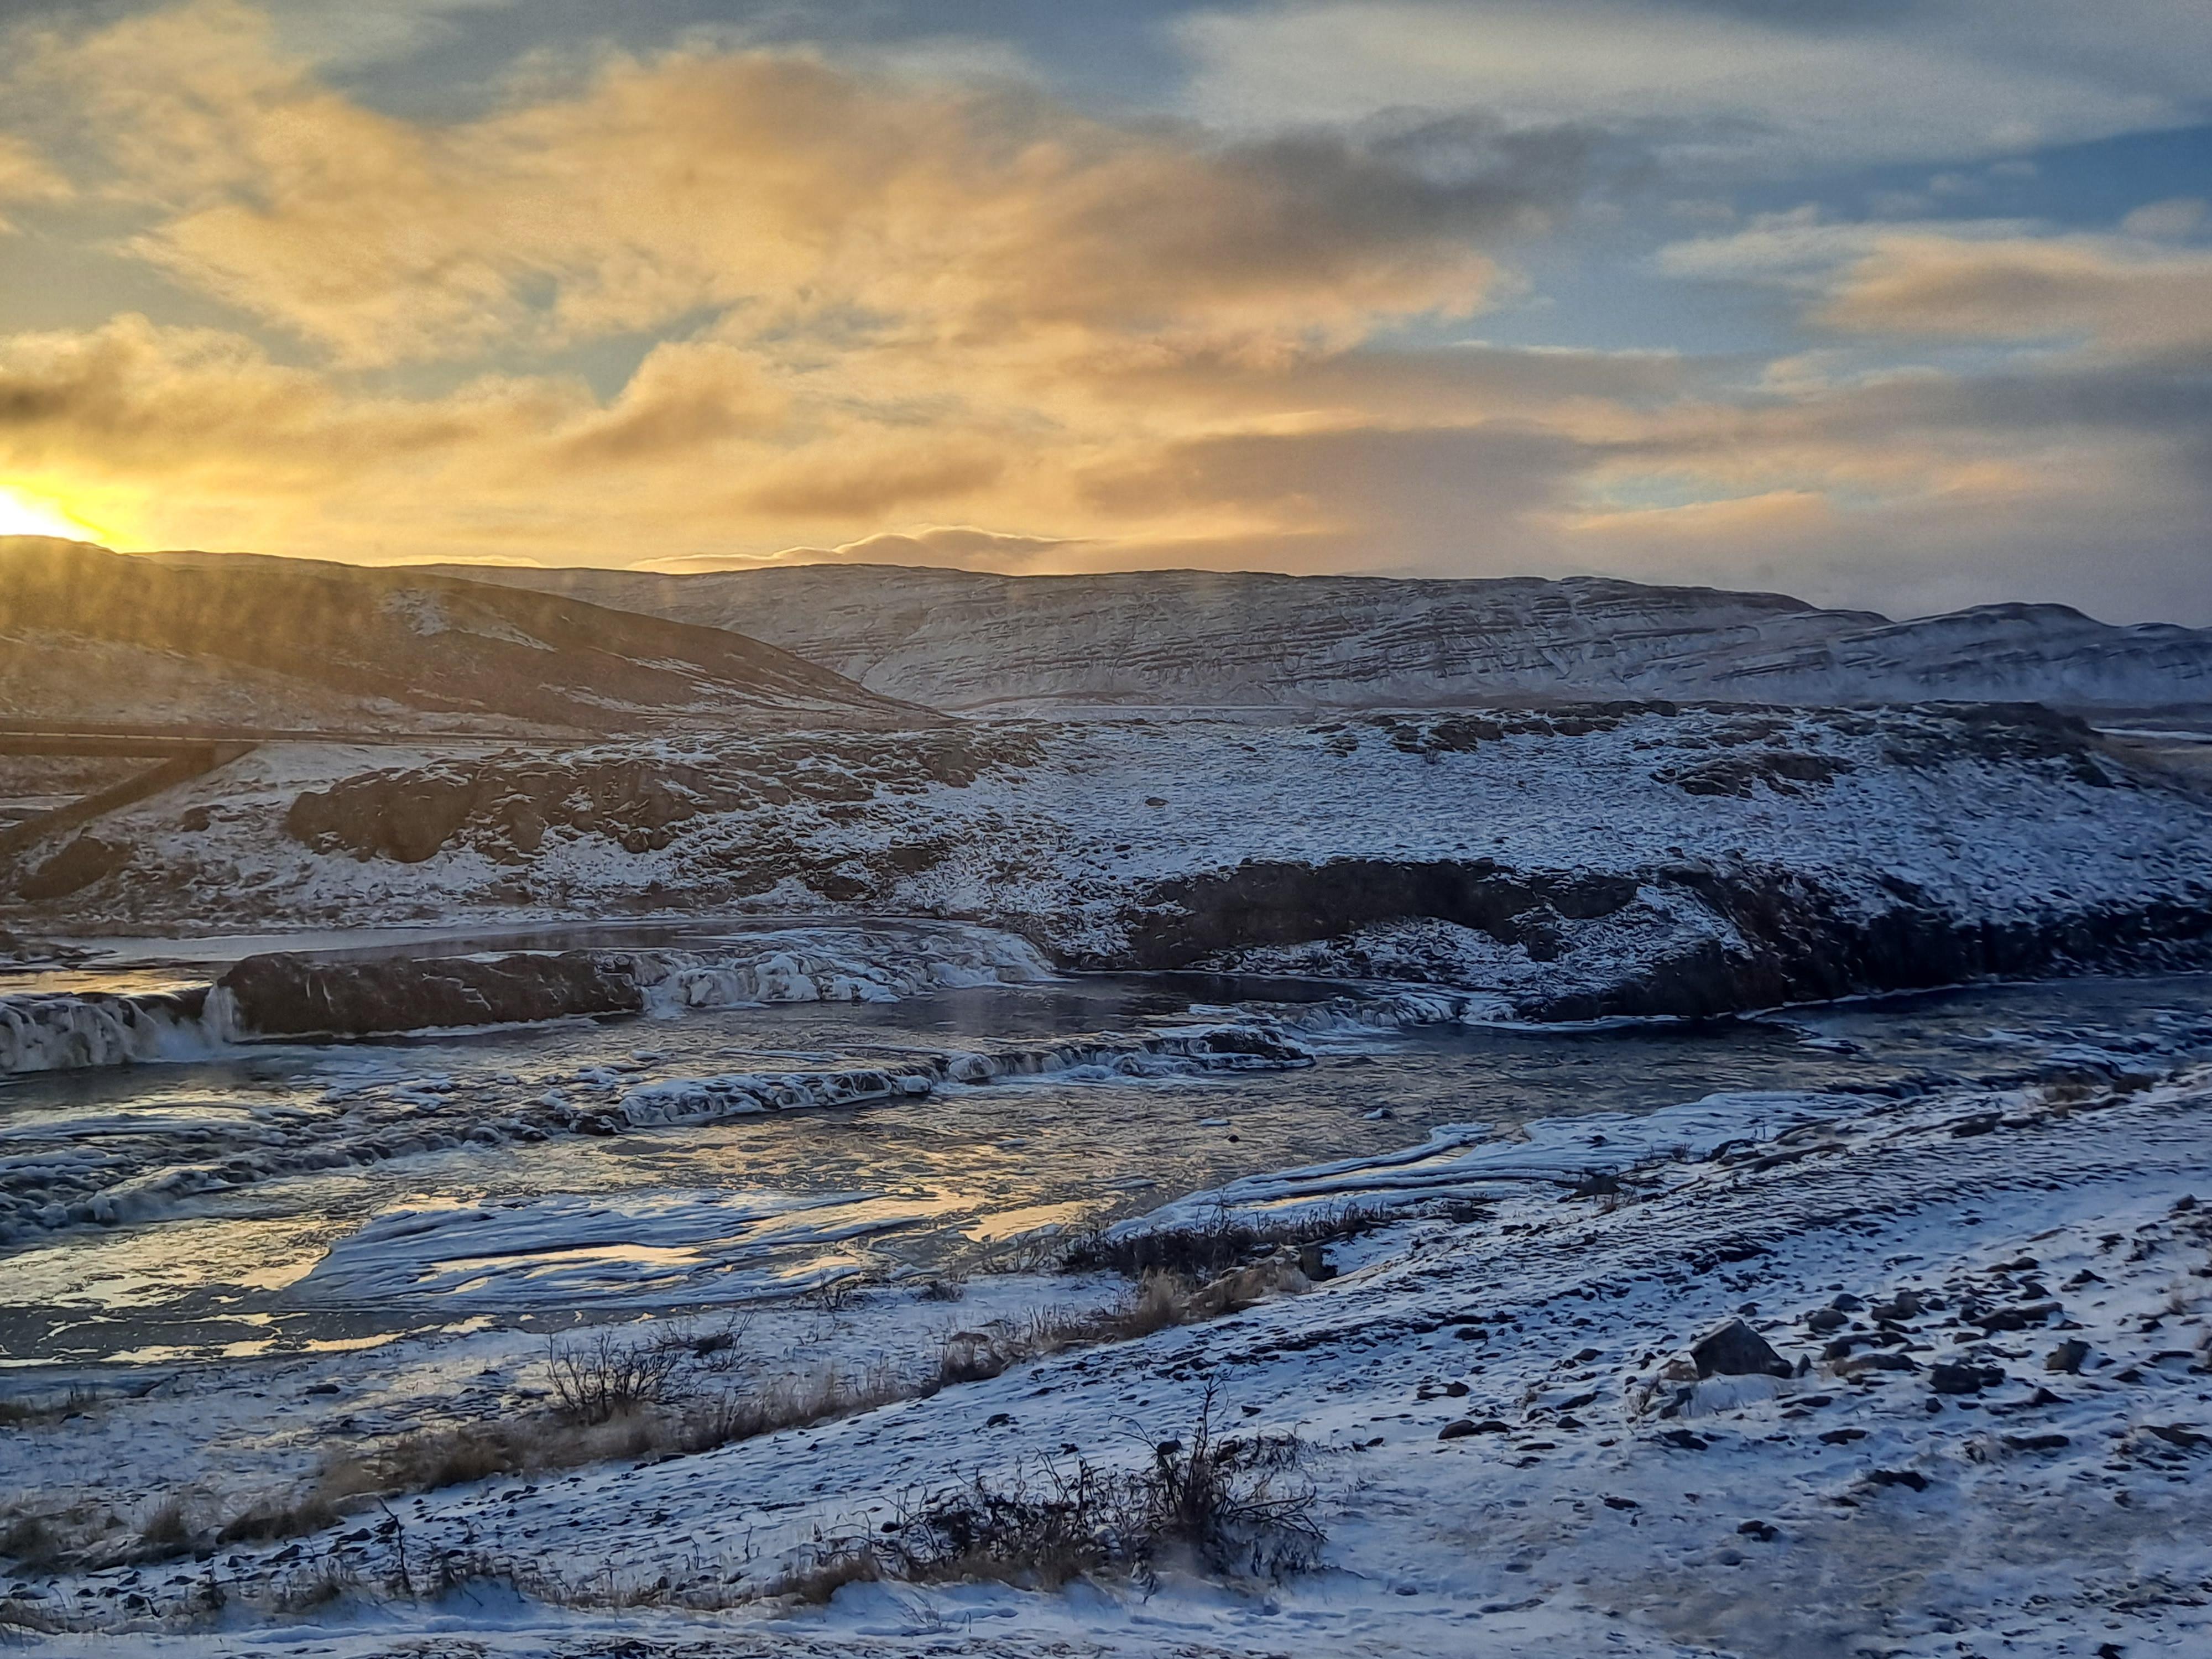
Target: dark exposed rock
column 506, row 805
column 285, row 995
column 85, row 860
column 1953, row 1376
column 2067, row 1357
column 1909, row 1478
column 1266, row 901
column 1783, row 771
column 1734, row 1349
column 1821, row 1320
column 1792, row 937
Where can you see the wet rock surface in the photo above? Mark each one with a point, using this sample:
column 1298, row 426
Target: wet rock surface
column 286, row 995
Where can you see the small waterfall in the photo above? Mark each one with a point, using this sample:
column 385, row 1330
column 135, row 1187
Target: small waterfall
column 61, row 1031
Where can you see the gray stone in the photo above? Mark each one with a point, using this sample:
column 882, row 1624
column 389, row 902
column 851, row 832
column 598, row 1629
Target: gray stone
column 1732, row 1348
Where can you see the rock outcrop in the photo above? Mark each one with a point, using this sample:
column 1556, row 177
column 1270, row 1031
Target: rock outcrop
column 288, row 995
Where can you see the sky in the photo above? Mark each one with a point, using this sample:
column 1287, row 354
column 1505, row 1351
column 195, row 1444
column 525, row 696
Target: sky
column 1900, row 304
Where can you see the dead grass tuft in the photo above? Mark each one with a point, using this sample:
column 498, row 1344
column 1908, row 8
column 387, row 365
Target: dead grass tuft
column 1208, row 1249
column 816, row 1581
column 165, row 1534
column 1231, row 1506
column 39, row 1413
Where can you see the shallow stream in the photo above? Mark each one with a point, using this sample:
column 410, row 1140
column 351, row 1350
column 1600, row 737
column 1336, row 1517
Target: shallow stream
column 226, row 1240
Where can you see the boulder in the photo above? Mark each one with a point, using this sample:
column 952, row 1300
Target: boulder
column 1732, row 1348
column 85, row 860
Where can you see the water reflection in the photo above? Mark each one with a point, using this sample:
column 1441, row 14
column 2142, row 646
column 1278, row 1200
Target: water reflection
column 926, row 1185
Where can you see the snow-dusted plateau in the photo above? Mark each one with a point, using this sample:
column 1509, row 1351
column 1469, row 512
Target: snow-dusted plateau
column 1183, row 1115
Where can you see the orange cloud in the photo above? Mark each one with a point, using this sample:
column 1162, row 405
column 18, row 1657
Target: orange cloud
column 771, row 182
column 2115, row 292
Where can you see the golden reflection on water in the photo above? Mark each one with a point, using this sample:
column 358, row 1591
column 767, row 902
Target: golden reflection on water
column 149, row 1266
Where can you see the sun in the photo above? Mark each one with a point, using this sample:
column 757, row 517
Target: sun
column 25, row 515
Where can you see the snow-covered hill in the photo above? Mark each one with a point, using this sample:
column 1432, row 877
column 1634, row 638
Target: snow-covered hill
column 90, row 636
column 960, row 639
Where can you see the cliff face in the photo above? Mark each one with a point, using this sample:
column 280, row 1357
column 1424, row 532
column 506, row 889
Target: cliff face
column 959, row 640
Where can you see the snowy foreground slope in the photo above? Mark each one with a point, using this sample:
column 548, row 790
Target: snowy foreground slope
column 1609, row 860
column 956, row 640
column 1992, row 1301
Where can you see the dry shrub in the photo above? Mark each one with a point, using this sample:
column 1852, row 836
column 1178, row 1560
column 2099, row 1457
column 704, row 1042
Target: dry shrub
column 1234, row 1506
column 822, row 1578
column 1219, row 1498
column 790, row 1403
column 265, row 1522
column 605, row 1374
column 1209, row 1248
column 31, row 1541
column 39, row 1413
column 165, row 1535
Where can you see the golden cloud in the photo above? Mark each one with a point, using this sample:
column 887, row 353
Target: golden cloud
column 722, row 180
column 2118, row 292
column 26, row 177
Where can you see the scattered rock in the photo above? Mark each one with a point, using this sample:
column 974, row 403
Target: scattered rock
column 1949, row 1377
column 1911, row 1478
column 2067, row 1357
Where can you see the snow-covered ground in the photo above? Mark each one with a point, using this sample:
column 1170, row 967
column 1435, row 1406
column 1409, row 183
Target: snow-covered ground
column 1512, row 1451
column 1556, row 860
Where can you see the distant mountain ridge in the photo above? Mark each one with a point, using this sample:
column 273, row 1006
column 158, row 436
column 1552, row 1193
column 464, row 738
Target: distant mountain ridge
column 962, row 639
column 91, row 636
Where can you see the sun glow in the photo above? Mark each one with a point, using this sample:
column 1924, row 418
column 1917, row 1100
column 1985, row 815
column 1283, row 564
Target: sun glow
column 22, row 513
